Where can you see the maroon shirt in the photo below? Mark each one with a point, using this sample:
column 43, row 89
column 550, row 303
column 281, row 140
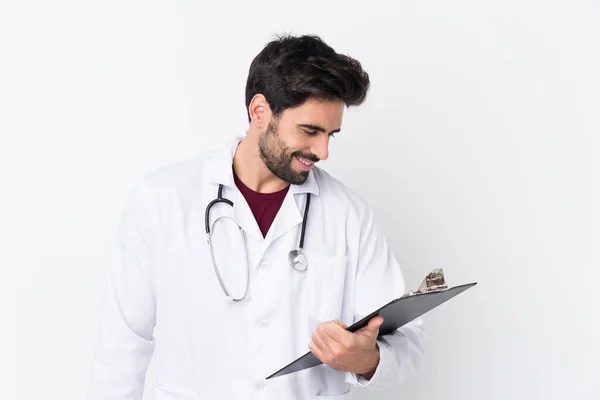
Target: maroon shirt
column 264, row 206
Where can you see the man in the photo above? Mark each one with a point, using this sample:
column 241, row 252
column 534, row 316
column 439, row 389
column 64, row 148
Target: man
column 222, row 315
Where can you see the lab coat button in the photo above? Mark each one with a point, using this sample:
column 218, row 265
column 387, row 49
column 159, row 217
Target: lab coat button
column 259, row 385
column 265, row 265
column 264, row 324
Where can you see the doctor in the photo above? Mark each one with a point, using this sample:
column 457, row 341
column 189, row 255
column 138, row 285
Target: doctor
column 294, row 257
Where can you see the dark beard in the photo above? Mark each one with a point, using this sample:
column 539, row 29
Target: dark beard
column 277, row 158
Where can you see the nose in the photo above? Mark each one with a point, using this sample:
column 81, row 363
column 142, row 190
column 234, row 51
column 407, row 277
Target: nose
column 320, row 147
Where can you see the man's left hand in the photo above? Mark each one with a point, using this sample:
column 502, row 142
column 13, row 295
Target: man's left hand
column 347, row 351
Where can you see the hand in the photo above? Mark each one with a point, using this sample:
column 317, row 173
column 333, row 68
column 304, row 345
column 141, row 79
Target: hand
column 347, row 351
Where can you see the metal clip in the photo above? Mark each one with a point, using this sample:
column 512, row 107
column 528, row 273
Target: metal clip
column 433, row 282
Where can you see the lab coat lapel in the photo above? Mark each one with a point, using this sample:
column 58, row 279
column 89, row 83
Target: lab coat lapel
column 291, row 212
column 287, row 218
column 245, row 218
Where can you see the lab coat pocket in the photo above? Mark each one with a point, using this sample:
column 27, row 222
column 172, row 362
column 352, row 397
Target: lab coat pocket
column 343, row 396
column 163, row 393
column 325, row 283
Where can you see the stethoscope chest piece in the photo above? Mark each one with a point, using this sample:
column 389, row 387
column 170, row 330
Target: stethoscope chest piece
column 298, row 260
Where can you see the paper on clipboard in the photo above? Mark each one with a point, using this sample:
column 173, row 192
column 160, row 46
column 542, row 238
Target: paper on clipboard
column 431, row 293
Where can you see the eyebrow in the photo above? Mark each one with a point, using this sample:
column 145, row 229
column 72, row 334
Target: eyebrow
column 318, row 128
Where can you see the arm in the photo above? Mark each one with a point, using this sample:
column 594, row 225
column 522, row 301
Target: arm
column 380, row 280
column 125, row 336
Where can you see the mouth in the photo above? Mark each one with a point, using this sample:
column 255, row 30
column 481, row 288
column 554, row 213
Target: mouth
column 304, row 163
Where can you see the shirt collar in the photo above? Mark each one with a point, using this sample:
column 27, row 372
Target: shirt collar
column 220, row 171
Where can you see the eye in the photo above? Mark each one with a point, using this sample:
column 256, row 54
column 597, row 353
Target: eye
column 332, row 135
column 310, row 133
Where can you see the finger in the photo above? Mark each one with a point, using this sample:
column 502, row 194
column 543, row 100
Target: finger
column 316, row 351
column 326, row 344
column 340, row 323
column 334, row 335
column 372, row 328
column 318, row 340
column 376, row 322
column 323, row 346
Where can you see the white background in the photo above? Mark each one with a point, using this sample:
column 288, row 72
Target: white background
column 478, row 148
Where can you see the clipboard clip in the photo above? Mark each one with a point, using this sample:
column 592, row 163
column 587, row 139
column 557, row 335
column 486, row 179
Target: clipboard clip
column 433, row 282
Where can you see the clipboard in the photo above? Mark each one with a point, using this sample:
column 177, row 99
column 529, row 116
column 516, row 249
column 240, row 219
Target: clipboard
column 432, row 293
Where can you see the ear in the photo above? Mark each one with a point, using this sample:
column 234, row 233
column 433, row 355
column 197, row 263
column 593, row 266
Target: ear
column 260, row 111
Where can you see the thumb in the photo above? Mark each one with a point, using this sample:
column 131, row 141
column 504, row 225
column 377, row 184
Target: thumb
column 372, row 328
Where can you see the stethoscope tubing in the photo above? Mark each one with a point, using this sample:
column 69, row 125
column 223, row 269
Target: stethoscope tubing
column 299, row 251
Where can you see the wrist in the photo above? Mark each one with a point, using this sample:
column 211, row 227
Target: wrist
column 372, row 364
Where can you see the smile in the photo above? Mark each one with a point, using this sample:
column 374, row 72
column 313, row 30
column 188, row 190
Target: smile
column 304, row 161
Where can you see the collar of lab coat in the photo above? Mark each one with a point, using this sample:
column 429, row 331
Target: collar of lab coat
column 289, row 216
column 221, row 173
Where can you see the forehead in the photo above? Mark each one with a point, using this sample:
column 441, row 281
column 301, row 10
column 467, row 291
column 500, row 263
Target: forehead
column 326, row 113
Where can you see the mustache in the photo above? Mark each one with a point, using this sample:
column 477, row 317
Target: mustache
column 309, row 156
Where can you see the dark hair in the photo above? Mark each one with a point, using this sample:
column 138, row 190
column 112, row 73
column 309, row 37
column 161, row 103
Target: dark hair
column 290, row 70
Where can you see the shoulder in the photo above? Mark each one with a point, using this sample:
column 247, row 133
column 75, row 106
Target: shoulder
column 182, row 178
column 175, row 174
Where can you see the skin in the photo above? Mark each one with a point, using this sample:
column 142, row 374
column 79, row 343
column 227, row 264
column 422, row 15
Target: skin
column 293, row 129
column 266, row 161
column 356, row 352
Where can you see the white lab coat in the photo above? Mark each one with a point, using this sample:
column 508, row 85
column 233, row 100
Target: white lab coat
column 162, row 294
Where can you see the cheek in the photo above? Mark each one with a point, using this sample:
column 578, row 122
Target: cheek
column 291, row 138
column 291, row 142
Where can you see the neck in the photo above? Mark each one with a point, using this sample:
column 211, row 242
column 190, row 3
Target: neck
column 251, row 169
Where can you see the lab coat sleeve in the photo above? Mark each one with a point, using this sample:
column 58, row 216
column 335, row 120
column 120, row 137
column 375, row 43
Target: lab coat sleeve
column 379, row 280
column 125, row 335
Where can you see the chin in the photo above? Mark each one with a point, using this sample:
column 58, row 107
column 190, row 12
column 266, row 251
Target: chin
column 301, row 177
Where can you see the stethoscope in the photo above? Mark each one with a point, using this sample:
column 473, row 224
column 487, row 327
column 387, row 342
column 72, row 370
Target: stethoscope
column 296, row 257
